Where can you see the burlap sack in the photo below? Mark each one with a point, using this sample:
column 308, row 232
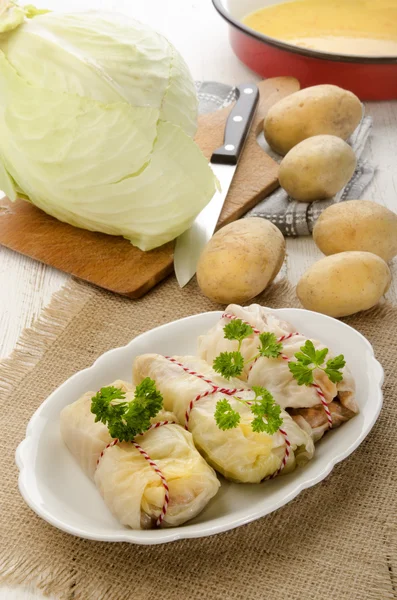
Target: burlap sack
column 337, row 540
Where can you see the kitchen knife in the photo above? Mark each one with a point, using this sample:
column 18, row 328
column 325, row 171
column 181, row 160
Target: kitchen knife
column 223, row 162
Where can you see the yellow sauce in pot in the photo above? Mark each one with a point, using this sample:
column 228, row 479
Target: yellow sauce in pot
column 360, row 27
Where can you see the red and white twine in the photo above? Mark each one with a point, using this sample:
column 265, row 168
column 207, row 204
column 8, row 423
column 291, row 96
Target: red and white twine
column 284, row 357
column 214, row 389
column 234, row 318
column 228, row 392
column 285, row 457
column 152, row 464
column 324, row 403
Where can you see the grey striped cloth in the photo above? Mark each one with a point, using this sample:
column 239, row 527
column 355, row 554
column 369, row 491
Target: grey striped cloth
column 291, row 217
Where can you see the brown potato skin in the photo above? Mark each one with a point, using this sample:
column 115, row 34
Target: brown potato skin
column 357, row 225
column 343, row 284
column 240, row 260
column 317, row 168
column 317, row 110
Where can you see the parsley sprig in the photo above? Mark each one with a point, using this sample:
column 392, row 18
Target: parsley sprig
column 266, row 412
column 231, row 364
column 237, row 330
column 125, row 420
column 309, row 359
column 225, row 416
column 270, row 347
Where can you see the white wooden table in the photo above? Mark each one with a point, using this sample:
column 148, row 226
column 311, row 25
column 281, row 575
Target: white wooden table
column 201, row 36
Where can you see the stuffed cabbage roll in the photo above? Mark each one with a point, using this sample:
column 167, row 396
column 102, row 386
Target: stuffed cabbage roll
column 274, row 374
column 131, row 488
column 240, row 454
column 213, row 342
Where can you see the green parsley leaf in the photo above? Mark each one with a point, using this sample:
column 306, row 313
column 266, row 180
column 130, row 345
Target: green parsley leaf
column 320, row 356
column 301, row 372
column 336, row 363
column 269, row 347
column 333, row 366
column 229, row 364
column 333, row 375
column 125, row 420
column 149, row 395
column 305, row 360
column 237, row 330
column 309, row 350
column 267, row 412
column 225, row 416
column 102, row 407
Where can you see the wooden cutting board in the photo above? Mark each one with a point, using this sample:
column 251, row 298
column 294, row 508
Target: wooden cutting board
column 112, row 262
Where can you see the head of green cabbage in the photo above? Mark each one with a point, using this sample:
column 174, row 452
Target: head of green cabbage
column 97, row 115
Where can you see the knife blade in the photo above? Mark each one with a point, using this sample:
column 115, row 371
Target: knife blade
column 224, row 161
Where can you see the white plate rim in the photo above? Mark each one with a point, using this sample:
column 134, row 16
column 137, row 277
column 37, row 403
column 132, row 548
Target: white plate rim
column 173, row 534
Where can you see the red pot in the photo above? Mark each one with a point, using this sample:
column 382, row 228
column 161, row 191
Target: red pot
column 369, row 77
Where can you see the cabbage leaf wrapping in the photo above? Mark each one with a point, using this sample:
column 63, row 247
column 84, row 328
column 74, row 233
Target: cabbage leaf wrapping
column 130, row 487
column 97, row 115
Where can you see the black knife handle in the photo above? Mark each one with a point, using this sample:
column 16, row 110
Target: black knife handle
column 237, row 125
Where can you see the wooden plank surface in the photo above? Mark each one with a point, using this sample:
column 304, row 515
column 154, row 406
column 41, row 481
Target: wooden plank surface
column 26, row 286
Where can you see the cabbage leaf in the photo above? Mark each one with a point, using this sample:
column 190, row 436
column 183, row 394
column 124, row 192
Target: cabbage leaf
column 97, row 114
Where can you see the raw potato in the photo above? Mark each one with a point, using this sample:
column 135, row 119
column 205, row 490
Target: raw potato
column 241, row 260
column 345, row 283
column 317, row 110
column 317, row 168
column 357, row 225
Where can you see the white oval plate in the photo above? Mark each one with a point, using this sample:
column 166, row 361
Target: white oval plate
column 53, row 485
